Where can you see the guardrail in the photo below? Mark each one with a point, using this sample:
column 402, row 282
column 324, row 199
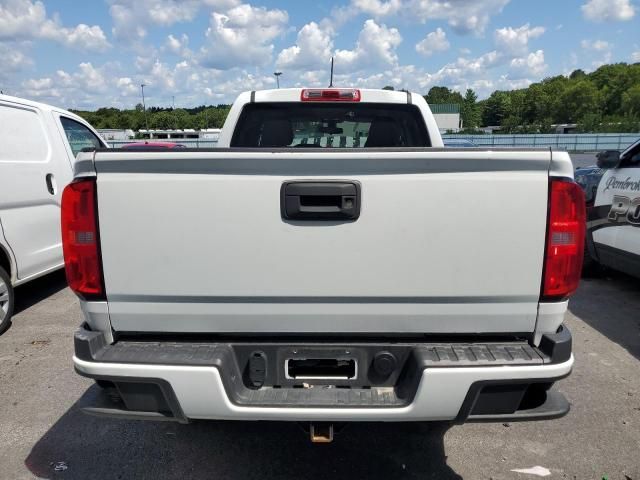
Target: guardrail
column 582, row 142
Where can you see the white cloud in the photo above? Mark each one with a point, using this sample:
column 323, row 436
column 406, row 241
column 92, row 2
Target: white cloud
column 87, row 85
column 242, row 36
column 465, row 16
column 597, row 45
column 376, row 45
column 531, row 65
column 82, row 37
column 312, row 49
column 13, row 59
column 515, row 41
column 88, row 78
column 433, row 42
column 462, row 71
column 126, row 86
column 599, row 48
column 378, row 8
column 512, row 53
column 38, row 83
column 635, row 56
column 131, row 18
column 178, row 46
column 105, row 85
column 604, row 60
column 608, row 10
column 28, row 20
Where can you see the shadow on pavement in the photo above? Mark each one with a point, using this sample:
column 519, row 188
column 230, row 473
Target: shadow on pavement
column 39, row 289
column 610, row 305
column 103, row 448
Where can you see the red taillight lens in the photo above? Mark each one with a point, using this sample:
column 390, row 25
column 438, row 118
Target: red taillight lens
column 565, row 240
column 333, row 95
column 80, row 243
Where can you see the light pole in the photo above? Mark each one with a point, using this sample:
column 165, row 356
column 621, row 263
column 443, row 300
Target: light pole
column 277, row 74
column 144, row 109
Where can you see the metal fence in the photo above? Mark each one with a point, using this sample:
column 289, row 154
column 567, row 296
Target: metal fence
column 583, row 142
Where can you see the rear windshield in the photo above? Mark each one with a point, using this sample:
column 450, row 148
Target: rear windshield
column 331, row 125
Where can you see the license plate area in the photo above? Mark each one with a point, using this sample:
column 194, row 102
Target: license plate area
column 321, row 364
column 321, row 368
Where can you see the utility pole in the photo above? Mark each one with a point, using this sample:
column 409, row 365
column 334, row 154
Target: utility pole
column 144, row 109
column 277, row 74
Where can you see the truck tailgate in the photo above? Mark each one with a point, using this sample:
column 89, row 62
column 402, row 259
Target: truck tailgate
column 446, row 242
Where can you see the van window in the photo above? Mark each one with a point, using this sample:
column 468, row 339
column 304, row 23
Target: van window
column 331, row 125
column 22, row 135
column 79, row 136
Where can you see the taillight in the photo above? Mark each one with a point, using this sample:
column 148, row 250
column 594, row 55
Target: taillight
column 565, row 240
column 80, row 242
column 330, row 95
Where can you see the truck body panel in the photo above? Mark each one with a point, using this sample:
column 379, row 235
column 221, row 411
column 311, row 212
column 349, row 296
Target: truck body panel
column 206, row 249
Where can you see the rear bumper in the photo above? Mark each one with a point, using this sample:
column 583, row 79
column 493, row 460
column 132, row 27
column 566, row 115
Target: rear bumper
column 180, row 382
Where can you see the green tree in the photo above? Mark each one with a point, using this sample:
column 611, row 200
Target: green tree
column 577, row 74
column 580, row 99
column 443, row 95
column 497, row 108
column 469, row 110
column 631, row 101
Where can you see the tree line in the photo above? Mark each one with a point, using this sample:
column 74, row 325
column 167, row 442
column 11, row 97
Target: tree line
column 157, row 118
column 605, row 100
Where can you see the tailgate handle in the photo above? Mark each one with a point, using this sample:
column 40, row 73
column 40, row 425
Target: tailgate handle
column 309, row 200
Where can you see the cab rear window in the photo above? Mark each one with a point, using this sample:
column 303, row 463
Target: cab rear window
column 330, row 125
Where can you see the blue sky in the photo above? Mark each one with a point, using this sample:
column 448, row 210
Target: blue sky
column 97, row 53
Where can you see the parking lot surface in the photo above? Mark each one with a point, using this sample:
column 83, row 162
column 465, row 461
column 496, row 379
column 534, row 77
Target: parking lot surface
column 43, row 433
column 583, row 159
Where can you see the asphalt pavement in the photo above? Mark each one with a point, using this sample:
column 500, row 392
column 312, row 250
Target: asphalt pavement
column 43, row 434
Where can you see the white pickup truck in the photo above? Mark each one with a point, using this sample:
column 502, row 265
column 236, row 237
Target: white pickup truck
column 330, row 262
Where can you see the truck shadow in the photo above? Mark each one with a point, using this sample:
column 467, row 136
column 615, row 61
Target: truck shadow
column 610, row 304
column 39, row 289
column 104, row 448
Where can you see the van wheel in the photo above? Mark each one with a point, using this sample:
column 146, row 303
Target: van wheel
column 6, row 300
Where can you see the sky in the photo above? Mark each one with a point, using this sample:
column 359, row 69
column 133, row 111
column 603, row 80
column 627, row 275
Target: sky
column 96, row 53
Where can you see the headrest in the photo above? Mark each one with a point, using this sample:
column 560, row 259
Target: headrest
column 276, row 132
column 383, row 132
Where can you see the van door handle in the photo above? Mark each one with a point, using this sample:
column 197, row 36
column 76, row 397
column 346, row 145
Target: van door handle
column 51, row 183
column 310, row 200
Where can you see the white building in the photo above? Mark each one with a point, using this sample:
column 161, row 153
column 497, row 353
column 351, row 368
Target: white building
column 447, row 116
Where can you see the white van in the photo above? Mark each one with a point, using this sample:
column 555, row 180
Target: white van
column 38, row 145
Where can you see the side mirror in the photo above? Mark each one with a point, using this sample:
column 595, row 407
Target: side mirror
column 608, row 159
